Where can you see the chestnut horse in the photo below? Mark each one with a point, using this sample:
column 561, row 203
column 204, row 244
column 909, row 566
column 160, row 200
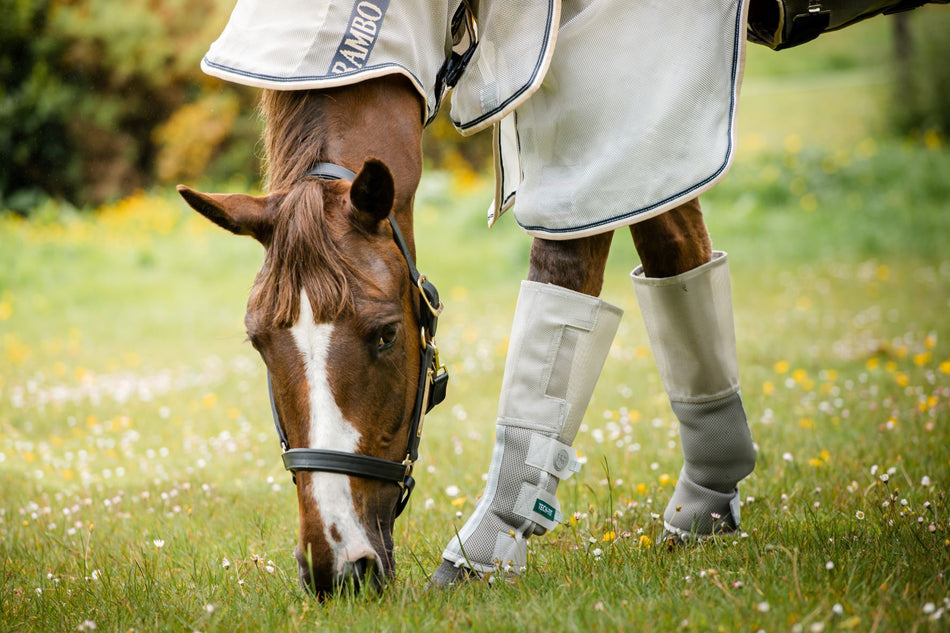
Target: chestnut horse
column 335, row 313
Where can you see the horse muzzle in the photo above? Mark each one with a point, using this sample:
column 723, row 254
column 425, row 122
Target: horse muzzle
column 361, row 572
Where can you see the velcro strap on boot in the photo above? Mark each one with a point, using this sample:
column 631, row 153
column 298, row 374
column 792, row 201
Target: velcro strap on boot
column 539, row 506
column 553, row 457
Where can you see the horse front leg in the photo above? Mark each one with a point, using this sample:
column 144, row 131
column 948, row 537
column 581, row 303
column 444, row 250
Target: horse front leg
column 559, row 342
column 685, row 298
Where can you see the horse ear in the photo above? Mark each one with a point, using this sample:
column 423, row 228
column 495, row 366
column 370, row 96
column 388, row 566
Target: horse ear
column 239, row 213
column 373, row 193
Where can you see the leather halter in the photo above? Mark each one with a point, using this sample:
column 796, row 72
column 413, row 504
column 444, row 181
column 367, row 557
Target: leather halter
column 433, row 380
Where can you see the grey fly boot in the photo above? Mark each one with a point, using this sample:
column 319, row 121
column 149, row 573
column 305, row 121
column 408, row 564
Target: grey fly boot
column 559, row 342
column 689, row 322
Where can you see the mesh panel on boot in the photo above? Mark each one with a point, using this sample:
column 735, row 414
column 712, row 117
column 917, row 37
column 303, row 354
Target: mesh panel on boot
column 479, row 534
column 700, row 511
column 717, row 443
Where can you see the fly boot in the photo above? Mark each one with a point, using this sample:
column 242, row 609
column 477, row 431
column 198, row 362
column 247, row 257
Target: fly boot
column 689, row 323
column 559, row 342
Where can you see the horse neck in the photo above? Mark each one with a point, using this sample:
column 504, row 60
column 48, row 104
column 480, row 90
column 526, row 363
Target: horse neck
column 379, row 118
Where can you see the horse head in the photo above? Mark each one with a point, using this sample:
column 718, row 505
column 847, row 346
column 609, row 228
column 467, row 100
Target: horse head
column 335, row 315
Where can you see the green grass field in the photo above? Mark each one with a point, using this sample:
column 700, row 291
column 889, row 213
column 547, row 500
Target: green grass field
column 140, row 480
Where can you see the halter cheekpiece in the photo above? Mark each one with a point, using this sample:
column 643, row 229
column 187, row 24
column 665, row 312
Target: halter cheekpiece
column 433, row 379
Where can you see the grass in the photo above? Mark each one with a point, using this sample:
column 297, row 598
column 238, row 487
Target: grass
column 140, row 485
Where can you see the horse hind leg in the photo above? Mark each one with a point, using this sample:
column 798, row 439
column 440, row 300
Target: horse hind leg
column 576, row 265
column 674, row 242
column 559, row 342
column 685, row 298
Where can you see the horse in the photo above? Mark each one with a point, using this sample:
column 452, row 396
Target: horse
column 334, row 313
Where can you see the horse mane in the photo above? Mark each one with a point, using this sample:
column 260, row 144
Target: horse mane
column 304, row 254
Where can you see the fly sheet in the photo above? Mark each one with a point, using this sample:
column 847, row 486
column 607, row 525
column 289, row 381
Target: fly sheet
column 605, row 112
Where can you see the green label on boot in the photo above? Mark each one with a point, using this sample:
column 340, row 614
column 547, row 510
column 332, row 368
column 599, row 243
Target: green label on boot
column 544, row 509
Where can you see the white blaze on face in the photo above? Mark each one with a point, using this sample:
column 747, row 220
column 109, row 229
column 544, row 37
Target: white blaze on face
column 329, row 430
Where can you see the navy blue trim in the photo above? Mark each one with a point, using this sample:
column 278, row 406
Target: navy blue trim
column 298, row 78
column 699, row 185
column 335, row 78
column 289, row 80
column 524, row 87
column 501, row 161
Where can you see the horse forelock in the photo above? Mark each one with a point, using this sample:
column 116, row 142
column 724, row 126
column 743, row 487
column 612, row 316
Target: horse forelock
column 306, row 253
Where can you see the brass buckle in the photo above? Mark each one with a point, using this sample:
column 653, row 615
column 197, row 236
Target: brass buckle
column 408, row 463
column 436, row 361
column 436, row 311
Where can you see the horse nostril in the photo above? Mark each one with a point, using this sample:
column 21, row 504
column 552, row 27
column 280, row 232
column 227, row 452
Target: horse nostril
column 355, row 569
column 360, row 573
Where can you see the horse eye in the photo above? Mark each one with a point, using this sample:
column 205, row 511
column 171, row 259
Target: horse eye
column 387, row 337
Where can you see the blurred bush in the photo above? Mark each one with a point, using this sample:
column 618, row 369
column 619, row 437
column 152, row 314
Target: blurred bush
column 445, row 148
column 100, row 98
column 920, row 103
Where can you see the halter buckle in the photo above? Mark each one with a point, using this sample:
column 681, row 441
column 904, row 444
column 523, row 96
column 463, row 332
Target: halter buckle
column 435, row 310
column 408, row 463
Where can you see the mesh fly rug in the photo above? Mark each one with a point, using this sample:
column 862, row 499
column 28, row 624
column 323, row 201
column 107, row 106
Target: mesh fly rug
column 605, row 112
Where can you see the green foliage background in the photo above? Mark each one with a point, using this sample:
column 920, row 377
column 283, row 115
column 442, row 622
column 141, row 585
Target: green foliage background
column 100, row 98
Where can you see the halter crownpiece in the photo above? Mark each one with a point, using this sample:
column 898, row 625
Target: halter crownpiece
column 433, row 380
column 331, row 171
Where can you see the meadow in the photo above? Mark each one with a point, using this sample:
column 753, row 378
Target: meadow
column 140, row 482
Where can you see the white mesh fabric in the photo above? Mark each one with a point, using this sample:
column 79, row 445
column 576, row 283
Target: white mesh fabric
column 717, row 444
column 690, row 326
column 306, row 44
column 494, row 517
column 557, row 348
column 559, row 342
column 689, row 323
column 635, row 115
column 515, row 43
column 694, row 511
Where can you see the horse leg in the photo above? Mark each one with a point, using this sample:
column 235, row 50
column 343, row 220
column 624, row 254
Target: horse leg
column 577, row 265
column 559, row 342
column 685, row 298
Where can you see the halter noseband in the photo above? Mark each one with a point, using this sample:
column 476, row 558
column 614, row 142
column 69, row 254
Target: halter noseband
column 433, row 380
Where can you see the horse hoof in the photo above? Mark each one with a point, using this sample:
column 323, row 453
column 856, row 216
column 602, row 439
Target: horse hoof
column 674, row 538
column 448, row 575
